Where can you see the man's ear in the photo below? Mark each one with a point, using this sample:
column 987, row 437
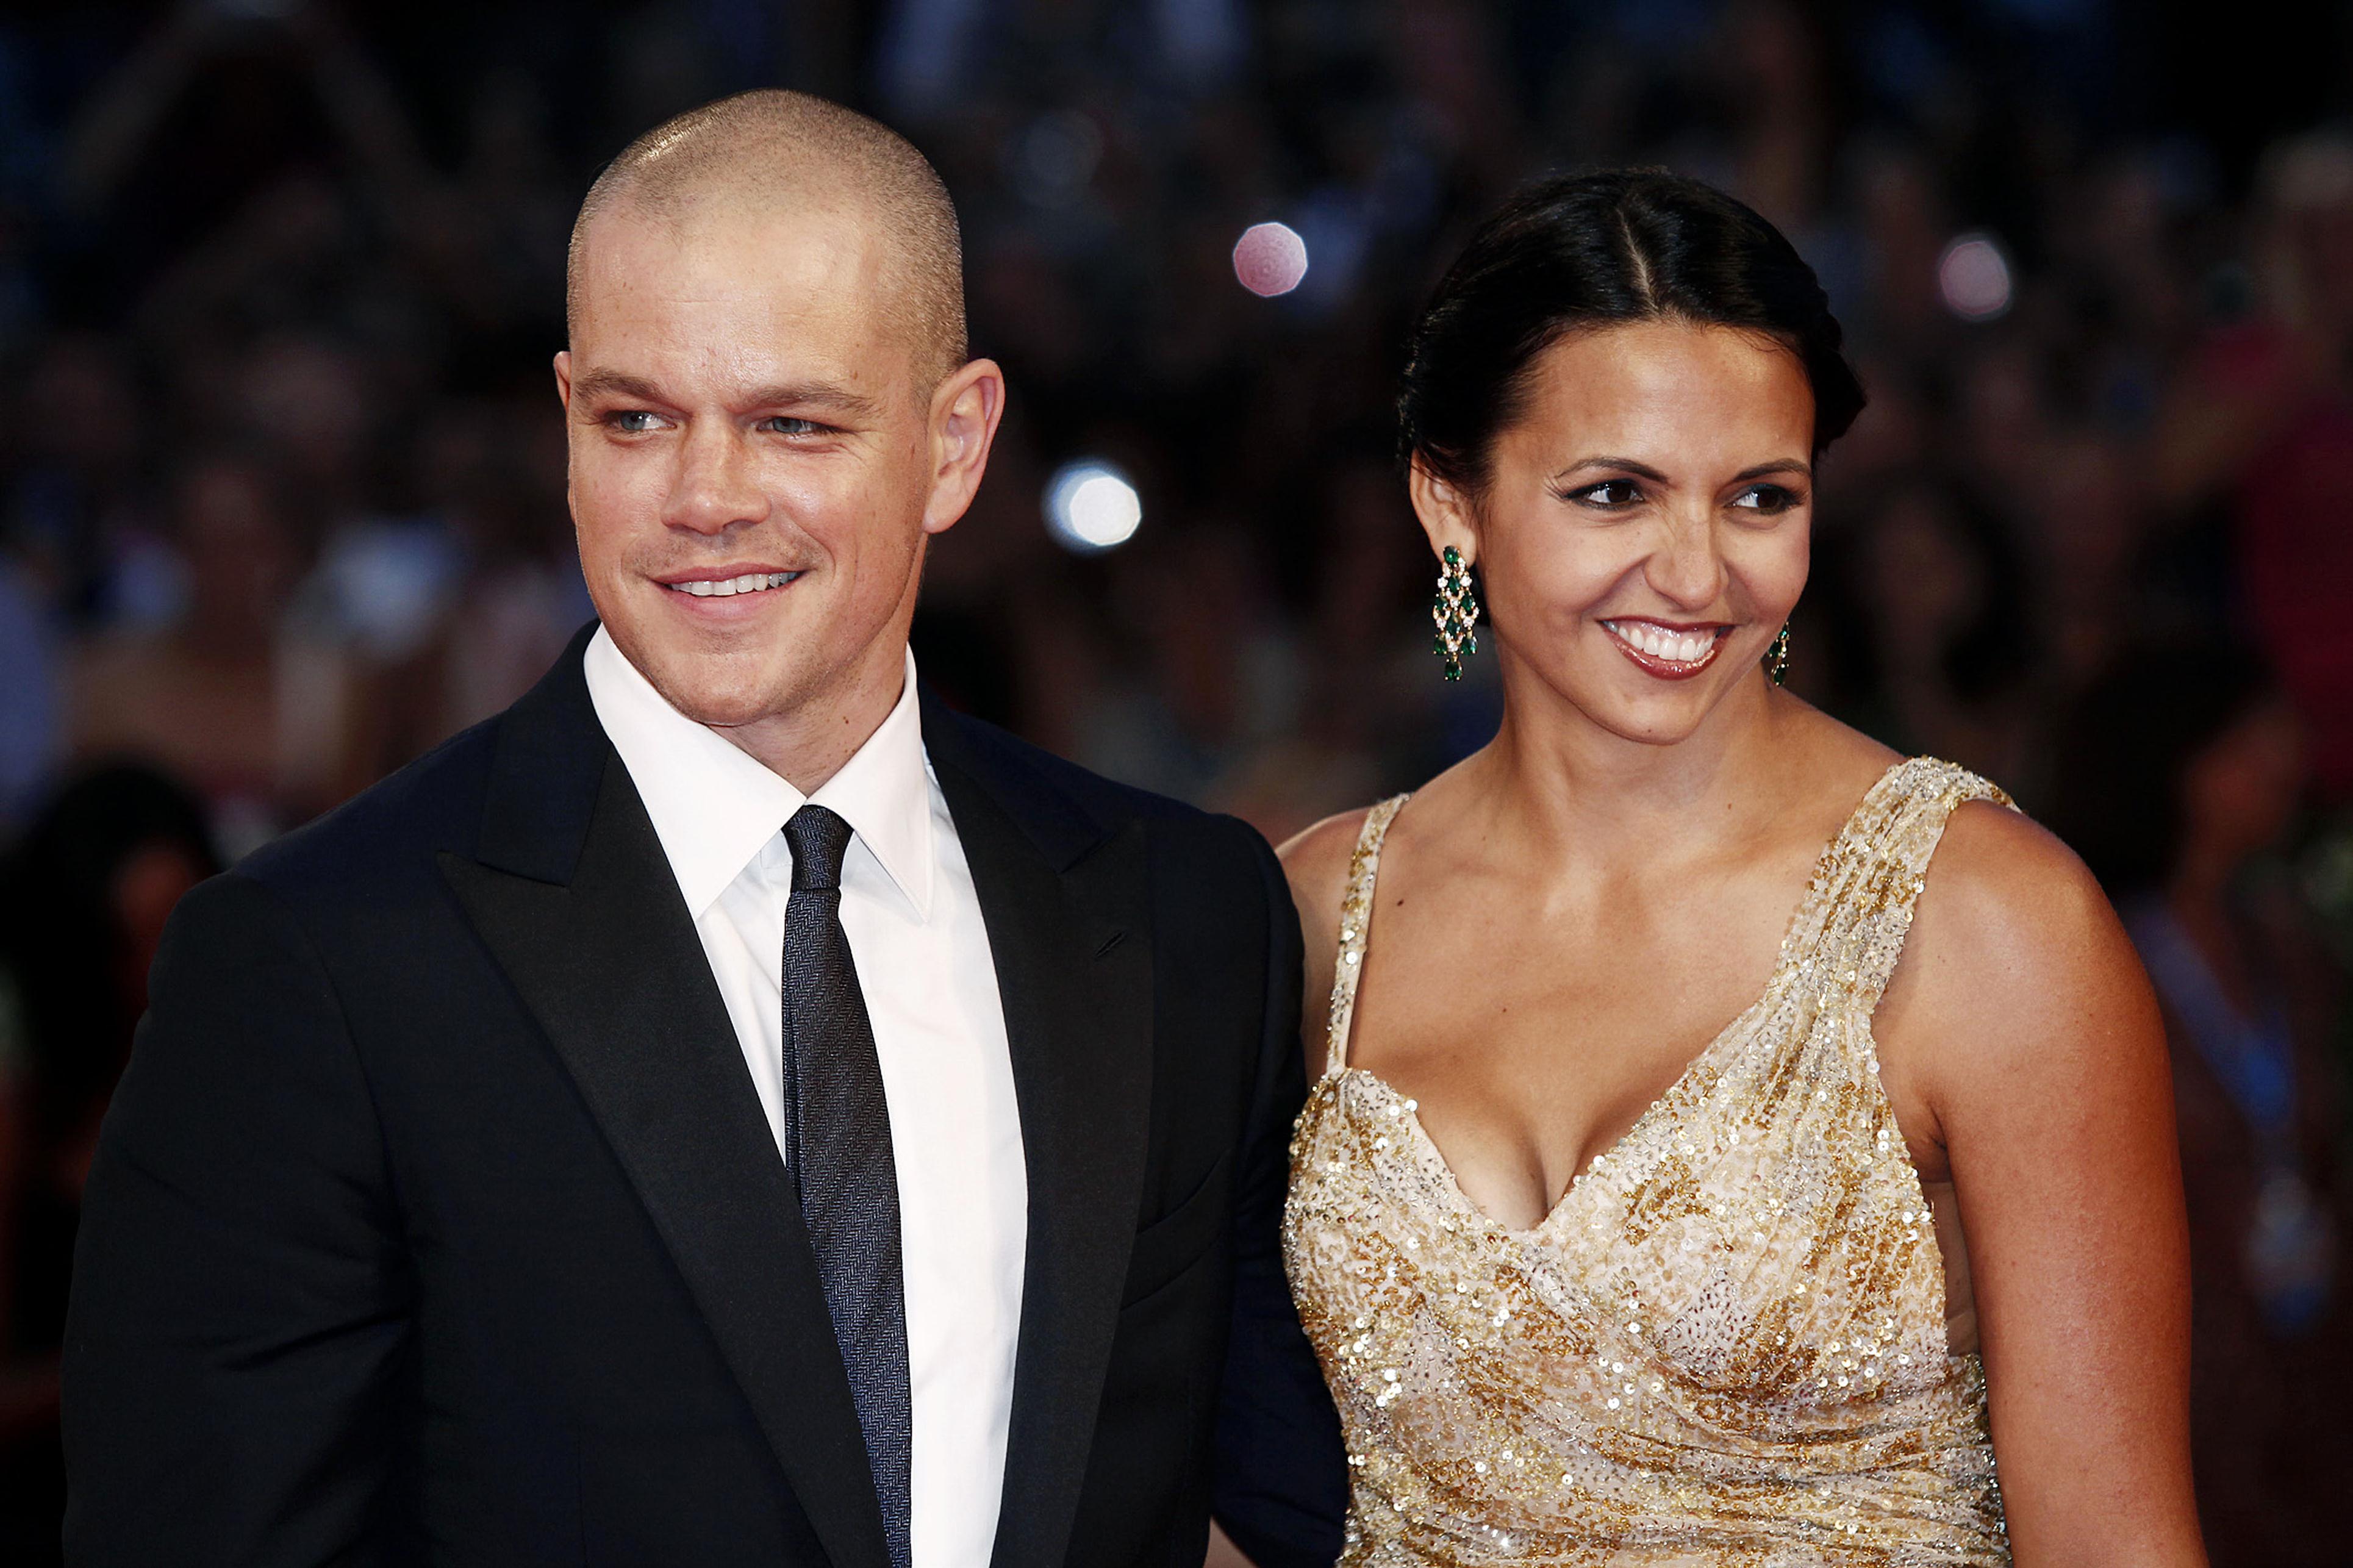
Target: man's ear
column 1445, row 512
column 965, row 408
column 563, row 378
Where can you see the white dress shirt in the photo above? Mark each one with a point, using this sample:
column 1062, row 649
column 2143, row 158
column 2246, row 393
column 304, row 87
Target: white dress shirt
column 921, row 953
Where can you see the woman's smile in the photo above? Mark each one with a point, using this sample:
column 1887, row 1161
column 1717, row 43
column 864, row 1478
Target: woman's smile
column 1669, row 651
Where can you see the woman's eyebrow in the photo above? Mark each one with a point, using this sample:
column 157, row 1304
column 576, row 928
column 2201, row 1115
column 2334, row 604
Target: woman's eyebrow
column 1626, row 465
column 1796, row 466
column 1778, row 465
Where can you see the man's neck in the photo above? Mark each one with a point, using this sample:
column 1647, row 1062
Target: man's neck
column 809, row 745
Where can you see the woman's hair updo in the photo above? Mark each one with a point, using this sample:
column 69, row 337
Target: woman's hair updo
column 1579, row 251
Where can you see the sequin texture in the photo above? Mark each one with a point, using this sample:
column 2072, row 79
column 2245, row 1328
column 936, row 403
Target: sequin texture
column 1725, row 1345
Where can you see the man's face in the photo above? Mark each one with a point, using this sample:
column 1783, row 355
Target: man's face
column 755, row 467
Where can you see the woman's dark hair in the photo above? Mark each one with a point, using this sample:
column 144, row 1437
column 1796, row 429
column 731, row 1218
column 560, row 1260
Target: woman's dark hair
column 2126, row 746
column 1578, row 251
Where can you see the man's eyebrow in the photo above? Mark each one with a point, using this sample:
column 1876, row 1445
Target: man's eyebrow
column 819, row 394
column 823, row 396
column 599, row 383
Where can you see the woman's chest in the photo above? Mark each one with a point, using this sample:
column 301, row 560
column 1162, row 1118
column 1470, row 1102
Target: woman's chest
column 1720, row 1260
column 1525, row 1070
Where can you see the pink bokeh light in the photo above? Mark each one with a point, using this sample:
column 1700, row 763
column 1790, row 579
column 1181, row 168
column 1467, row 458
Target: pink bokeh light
column 1270, row 258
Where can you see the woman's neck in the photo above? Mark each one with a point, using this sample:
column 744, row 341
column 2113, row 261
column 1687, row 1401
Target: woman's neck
column 1585, row 792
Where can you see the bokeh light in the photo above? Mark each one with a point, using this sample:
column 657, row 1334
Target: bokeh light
column 1091, row 506
column 1270, row 258
column 1973, row 276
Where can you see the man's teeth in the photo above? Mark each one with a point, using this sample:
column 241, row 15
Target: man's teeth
column 750, row 584
column 1657, row 642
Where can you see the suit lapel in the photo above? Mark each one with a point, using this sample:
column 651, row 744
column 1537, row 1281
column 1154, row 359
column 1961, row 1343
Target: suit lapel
column 572, row 896
column 1069, row 929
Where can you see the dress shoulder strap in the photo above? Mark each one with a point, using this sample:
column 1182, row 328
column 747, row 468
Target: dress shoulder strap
column 1876, row 868
column 1355, row 923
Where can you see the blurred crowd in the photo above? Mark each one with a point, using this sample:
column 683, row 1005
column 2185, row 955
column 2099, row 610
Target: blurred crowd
column 281, row 486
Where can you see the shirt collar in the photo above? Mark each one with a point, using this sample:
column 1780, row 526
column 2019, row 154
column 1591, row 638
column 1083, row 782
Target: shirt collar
column 715, row 808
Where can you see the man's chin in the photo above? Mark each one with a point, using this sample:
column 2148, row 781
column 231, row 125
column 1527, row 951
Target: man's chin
column 730, row 708
column 709, row 692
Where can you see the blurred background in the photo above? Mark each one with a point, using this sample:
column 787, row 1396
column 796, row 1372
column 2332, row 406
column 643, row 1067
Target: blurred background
column 281, row 471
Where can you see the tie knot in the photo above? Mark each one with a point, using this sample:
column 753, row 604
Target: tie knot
column 817, row 839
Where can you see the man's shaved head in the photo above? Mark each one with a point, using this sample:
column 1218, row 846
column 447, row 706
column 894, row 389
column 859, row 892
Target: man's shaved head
column 773, row 151
column 769, row 414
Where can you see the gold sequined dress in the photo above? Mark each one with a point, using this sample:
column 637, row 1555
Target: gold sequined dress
column 1725, row 1345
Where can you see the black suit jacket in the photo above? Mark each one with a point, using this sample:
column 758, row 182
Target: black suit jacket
column 436, row 1219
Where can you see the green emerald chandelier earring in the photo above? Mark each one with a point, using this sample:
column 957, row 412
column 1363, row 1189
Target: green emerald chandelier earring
column 1777, row 658
column 1456, row 614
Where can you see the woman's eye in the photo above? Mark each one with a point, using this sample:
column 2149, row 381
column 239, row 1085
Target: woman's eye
column 1770, row 500
column 1609, row 493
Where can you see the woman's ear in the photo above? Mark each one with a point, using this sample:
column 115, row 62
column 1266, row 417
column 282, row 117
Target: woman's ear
column 1445, row 512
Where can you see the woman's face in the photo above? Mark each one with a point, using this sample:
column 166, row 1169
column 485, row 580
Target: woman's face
column 1644, row 533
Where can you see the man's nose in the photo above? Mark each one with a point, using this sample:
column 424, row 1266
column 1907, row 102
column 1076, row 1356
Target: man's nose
column 714, row 487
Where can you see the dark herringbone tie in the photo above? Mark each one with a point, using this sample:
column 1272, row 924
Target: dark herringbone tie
column 838, row 1147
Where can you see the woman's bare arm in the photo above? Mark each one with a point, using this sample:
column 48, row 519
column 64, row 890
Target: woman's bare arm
column 2030, row 1031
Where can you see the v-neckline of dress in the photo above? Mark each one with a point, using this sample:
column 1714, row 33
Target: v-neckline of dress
column 1785, row 964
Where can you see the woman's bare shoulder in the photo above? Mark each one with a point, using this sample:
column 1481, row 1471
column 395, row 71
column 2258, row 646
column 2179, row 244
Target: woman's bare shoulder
column 1316, row 861
column 2003, row 885
column 2016, row 964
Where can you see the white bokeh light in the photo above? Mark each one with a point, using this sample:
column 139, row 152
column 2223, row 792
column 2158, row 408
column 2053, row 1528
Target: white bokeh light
column 1270, row 258
column 1973, row 276
column 1091, row 506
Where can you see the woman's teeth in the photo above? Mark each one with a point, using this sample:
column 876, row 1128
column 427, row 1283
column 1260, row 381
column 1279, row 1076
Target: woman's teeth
column 1657, row 642
column 751, row 583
